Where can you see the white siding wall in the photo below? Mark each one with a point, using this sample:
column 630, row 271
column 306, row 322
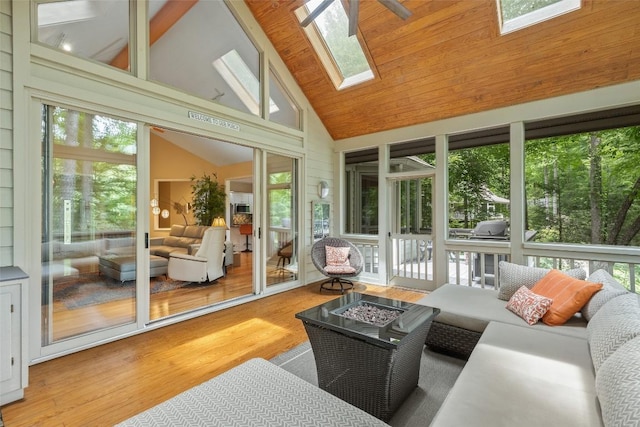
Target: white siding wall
column 319, row 167
column 6, row 135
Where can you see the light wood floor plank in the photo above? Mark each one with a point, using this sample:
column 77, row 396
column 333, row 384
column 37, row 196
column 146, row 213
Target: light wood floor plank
column 107, row 384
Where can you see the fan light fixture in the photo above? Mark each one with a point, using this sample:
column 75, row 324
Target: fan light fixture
column 354, row 5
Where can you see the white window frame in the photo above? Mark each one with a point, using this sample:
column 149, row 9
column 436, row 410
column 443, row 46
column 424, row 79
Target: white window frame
column 536, row 16
column 326, row 56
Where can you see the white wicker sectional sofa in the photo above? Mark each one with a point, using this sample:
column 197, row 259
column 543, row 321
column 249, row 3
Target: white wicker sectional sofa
column 583, row 373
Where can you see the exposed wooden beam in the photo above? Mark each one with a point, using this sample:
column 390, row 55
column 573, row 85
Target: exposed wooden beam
column 167, row 16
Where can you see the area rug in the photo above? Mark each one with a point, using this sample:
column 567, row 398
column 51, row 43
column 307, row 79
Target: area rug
column 95, row 289
column 438, row 373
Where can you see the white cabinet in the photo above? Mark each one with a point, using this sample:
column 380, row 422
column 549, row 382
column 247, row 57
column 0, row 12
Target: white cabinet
column 13, row 355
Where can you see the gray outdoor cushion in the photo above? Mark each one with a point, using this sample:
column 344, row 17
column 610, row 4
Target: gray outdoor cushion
column 513, row 276
column 617, row 322
column 618, row 386
column 518, row 376
column 473, row 308
column 611, row 288
column 255, row 393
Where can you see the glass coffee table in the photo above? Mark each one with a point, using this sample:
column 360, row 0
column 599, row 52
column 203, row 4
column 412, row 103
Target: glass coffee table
column 373, row 360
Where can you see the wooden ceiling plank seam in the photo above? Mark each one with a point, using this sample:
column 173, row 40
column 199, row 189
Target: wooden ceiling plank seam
column 446, row 19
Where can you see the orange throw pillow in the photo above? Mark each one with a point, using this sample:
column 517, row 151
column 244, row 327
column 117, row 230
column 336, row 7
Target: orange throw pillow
column 568, row 295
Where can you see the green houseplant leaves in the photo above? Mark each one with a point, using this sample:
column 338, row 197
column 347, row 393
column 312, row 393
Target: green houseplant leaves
column 208, row 198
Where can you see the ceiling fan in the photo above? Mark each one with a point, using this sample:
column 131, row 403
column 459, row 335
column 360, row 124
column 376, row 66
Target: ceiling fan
column 393, row 5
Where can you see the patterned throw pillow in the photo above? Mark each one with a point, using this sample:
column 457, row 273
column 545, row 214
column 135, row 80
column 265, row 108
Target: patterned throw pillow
column 618, row 386
column 611, row 288
column 569, row 295
column 528, row 305
column 337, row 256
column 512, row 276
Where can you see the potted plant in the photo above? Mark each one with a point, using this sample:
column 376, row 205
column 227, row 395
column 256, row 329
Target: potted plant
column 209, row 198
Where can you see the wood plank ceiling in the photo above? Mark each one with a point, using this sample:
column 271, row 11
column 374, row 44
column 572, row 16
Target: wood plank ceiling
column 448, row 59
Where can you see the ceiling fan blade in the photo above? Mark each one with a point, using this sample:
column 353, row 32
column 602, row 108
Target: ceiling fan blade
column 354, row 6
column 396, row 7
column 313, row 15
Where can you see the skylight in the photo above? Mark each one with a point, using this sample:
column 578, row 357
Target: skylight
column 244, row 84
column 341, row 55
column 67, row 12
column 518, row 14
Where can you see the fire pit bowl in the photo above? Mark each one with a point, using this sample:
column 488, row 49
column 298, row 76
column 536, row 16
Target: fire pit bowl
column 369, row 312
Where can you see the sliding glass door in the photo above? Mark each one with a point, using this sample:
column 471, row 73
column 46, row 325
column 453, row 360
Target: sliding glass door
column 88, row 242
column 282, row 219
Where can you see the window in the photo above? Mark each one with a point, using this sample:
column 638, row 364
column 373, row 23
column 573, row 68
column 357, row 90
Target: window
column 413, row 155
column 89, row 186
column 242, row 81
column 289, row 112
column 282, row 204
column 361, row 192
column 518, row 14
column 479, row 172
column 96, row 30
column 203, row 51
column 582, row 178
column 342, row 56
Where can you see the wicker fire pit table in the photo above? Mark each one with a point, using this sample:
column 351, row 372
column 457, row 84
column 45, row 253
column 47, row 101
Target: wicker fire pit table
column 368, row 349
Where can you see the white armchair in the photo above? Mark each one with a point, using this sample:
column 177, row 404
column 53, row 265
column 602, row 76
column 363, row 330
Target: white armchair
column 206, row 264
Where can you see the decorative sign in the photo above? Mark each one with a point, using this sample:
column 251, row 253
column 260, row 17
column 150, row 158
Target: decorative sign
column 214, row 121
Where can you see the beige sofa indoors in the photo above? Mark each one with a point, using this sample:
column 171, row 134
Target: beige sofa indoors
column 583, row 373
column 182, row 239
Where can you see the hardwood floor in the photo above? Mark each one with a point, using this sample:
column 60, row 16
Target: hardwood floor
column 237, row 283
column 107, row 384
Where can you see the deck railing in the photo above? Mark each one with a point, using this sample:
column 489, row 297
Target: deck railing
column 474, row 267
column 475, row 263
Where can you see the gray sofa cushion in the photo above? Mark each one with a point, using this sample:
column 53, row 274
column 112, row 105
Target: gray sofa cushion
column 610, row 289
column 166, row 251
column 176, row 230
column 194, row 231
column 519, row 376
column 617, row 322
column 473, row 308
column 513, row 276
column 618, row 386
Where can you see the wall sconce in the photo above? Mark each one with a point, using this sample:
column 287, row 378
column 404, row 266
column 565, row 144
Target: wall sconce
column 323, row 189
